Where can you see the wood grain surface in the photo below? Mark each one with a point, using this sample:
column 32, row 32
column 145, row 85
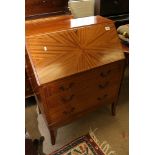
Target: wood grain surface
column 57, row 23
column 63, row 53
column 75, row 65
column 42, row 8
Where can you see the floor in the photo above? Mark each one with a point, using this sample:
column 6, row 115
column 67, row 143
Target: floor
column 113, row 129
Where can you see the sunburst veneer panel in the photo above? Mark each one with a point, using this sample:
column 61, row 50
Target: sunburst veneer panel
column 59, row 54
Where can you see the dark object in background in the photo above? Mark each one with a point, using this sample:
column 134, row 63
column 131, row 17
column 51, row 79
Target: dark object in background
column 34, row 147
column 29, row 149
column 117, row 10
column 30, row 101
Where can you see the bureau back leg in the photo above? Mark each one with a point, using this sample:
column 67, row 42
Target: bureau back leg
column 39, row 110
column 114, row 104
column 53, row 133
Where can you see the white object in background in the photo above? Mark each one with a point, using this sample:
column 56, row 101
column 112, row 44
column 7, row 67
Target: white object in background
column 79, row 21
column 81, row 8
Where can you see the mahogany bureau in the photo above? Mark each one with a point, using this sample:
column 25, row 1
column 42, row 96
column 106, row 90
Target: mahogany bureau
column 75, row 66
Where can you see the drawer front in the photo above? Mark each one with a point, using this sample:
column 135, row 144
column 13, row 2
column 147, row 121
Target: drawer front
column 93, row 96
column 95, row 86
column 64, row 107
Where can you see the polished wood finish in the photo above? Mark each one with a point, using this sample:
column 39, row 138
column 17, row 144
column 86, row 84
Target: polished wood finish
column 59, row 23
column 42, row 8
column 75, row 67
column 30, row 28
column 61, row 54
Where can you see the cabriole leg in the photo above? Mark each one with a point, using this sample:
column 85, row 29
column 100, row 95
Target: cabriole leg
column 53, row 133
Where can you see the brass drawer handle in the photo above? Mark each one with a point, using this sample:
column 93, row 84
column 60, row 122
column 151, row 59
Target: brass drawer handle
column 103, row 86
column 67, row 99
column 104, row 74
column 102, row 98
column 69, row 112
column 67, row 88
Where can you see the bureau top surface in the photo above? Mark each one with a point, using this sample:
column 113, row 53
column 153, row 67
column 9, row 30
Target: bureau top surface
column 57, row 23
column 63, row 52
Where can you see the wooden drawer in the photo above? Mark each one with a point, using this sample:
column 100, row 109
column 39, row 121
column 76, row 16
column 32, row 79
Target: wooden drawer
column 81, row 103
column 60, row 86
column 68, row 105
column 97, row 85
column 109, row 75
column 93, row 98
column 109, row 70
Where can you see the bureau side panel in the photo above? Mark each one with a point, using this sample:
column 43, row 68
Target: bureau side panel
column 38, row 90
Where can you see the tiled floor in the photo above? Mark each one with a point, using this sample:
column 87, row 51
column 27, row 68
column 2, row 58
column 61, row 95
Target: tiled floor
column 115, row 130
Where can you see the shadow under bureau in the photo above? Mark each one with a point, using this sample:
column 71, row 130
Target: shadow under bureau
column 74, row 65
